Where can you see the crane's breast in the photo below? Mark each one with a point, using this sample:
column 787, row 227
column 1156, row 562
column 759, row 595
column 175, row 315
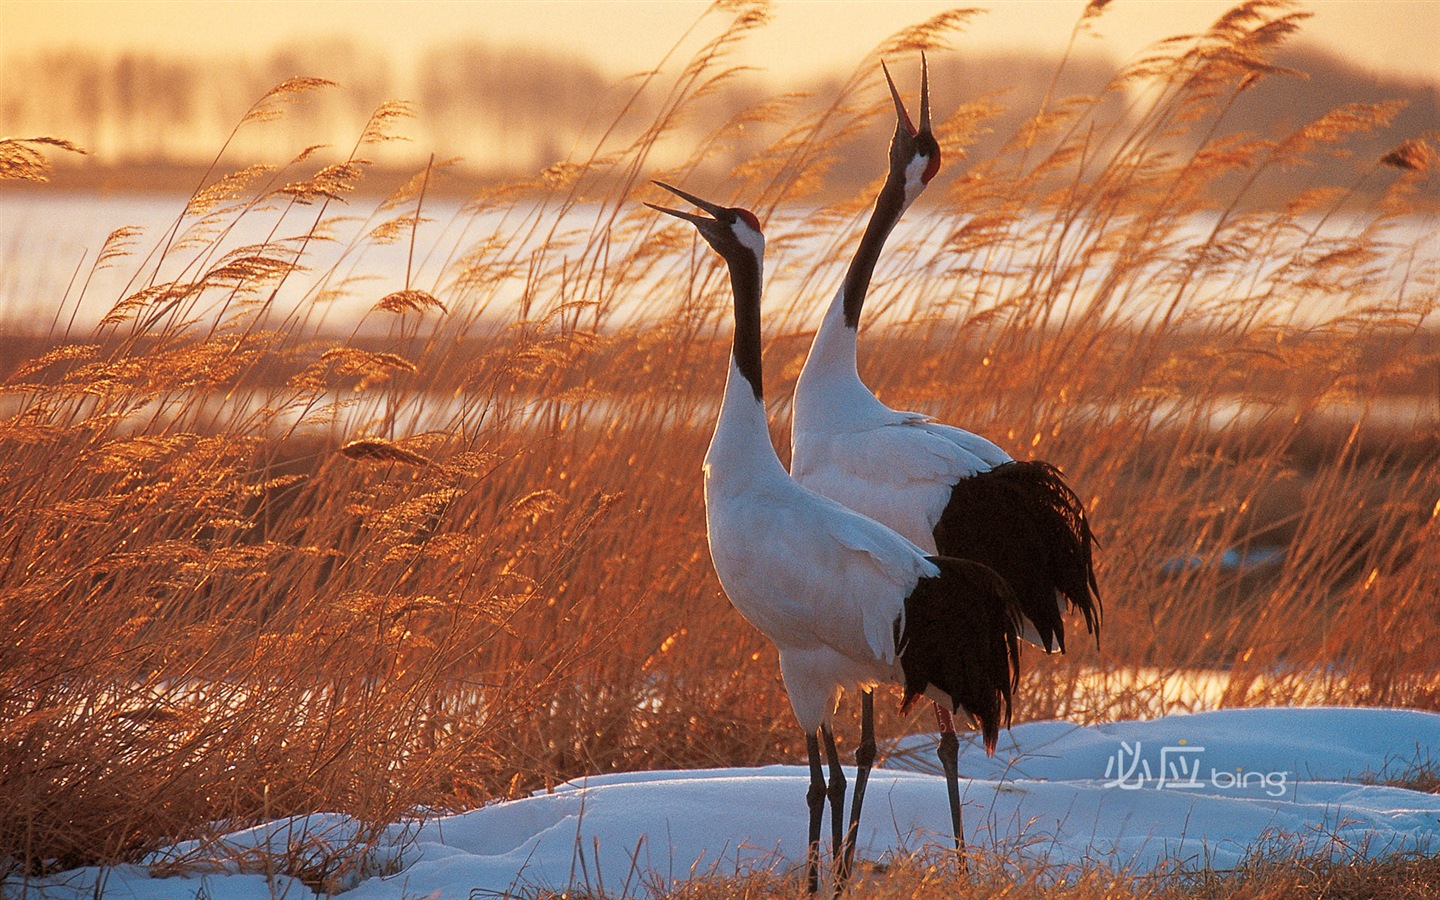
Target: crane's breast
column 810, row 574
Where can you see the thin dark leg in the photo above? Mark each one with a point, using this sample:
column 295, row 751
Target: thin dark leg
column 864, row 760
column 836, row 794
column 949, row 756
column 815, row 799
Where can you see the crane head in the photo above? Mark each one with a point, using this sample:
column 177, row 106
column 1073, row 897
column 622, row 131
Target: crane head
column 728, row 229
column 914, row 152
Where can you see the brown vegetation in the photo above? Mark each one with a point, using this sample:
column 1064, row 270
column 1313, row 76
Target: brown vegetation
column 249, row 568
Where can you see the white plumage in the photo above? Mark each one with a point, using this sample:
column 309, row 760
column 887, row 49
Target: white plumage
column 948, row 490
column 833, row 589
column 828, row 589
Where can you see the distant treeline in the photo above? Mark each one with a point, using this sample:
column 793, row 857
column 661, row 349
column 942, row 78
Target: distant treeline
column 507, row 112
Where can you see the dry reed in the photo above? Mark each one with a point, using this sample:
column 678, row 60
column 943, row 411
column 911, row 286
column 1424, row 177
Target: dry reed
column 260, row 560
column 1263, row 877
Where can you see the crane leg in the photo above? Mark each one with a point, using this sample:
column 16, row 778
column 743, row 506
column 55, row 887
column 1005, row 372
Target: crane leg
column 864, row 760
column 836, row 793
column 949, row 755
column 815, row 799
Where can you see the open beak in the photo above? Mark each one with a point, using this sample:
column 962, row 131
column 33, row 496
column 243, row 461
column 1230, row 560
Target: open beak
column 901, row 115
column 714, row 209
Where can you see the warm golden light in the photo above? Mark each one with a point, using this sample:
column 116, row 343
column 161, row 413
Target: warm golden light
column 1396, row 37
column 508, row 86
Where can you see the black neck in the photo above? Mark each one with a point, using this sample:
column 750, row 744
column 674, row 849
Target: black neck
column 888, row 207
column 745, row 282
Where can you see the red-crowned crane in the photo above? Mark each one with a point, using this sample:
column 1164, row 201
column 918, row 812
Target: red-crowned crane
column 949, row 491
column 847, row 602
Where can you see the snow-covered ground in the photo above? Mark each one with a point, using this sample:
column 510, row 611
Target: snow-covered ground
column 1198, row 790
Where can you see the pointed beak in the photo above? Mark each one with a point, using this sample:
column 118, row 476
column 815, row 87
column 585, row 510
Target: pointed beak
column 692, row 218
column 924, row 95
column 714, row 209
column 902, row 116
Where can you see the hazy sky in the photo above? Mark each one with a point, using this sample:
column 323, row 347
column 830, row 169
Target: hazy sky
column 622, row 36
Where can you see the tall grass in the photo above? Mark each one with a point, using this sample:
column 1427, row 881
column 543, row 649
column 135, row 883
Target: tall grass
column 259, row 558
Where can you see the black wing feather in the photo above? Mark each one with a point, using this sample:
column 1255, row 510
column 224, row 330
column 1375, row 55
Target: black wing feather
column 962, row 635
column 1022, row 520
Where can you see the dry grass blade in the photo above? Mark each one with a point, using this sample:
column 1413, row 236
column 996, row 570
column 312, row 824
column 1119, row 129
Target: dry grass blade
column 65, row 353
column 334, row 182
column 117, row 245
column 380, row 128
column 371, row 367
column 272, row 105
column 21, row 159
column 928, row 36
column 229, row 188
column 1414, row 155
column 409, row 301
column 379, row 450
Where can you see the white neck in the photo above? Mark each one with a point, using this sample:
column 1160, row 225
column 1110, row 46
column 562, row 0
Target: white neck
column 829, row 395
column 741, row 454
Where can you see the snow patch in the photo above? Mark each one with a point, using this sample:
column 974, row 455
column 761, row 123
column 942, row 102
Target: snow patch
column 1191, row 790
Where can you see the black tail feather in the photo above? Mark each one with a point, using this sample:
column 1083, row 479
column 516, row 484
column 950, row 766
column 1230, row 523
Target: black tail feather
column 1022, row 520
column 962, row 635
